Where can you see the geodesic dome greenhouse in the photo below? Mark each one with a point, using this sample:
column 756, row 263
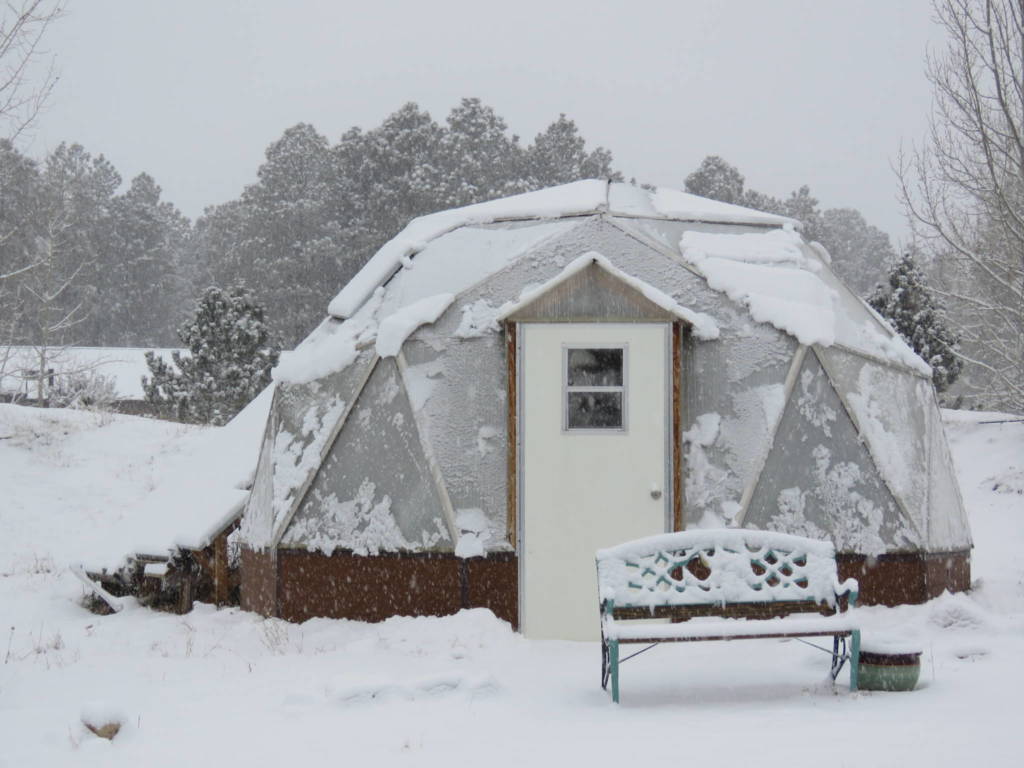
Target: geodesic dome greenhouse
column 507, row 387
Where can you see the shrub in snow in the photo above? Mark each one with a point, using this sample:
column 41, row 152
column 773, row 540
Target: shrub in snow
column 229, row 362
column 86, row 389
column 908, row 305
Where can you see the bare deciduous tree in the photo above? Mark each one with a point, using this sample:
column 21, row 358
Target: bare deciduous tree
column 27, row 77
column 964, row 190
column 24, row 89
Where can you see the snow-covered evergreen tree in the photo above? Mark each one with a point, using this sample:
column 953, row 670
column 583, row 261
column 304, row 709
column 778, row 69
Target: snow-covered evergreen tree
column 318, row 212
column 908, row 305
column 559, row 156
column 860, row 252
column 481, row 161
column 718, row 180
column 228, row 365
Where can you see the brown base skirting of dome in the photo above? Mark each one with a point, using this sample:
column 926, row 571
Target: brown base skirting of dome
column 898, row 579
column 301, row 585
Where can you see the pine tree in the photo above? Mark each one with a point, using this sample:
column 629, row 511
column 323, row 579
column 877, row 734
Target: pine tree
column 860, row 252
column 559, row 156
column 717, row 180
column 290, row 236
column 229, row 364
column 143, row 294
column 318, row 212
column 908, row 305
column 480, row 160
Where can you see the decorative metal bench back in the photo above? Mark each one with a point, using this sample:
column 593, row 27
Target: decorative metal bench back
column 718, row 567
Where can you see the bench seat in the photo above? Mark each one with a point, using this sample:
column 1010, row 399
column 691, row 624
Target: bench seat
column 730, row 629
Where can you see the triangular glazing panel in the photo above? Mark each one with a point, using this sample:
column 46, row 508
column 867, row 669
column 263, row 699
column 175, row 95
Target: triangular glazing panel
column 307, row 417
column 891, row 409
column 948, row 529
column 374, row 492
column 257, row 526
column 819, row 480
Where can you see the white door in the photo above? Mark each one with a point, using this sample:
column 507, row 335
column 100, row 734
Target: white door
column 594, row 427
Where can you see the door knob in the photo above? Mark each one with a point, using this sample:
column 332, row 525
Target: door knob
column 655, row 492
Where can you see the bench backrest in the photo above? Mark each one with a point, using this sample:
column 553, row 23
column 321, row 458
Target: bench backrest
column 719, row 567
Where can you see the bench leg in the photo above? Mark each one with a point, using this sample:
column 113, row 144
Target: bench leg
column 854, row 659
column 838, row 655
column 613, row 661
column 604, row 663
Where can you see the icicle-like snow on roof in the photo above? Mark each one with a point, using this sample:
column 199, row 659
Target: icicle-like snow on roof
column 331, row 347
column 768, row 273
column 395, row 329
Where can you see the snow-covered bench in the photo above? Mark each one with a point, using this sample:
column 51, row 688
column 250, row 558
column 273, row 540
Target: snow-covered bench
column 729, row 584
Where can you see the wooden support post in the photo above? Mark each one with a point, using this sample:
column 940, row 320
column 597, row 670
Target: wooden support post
column 185, row 593
column 512, row 426
column 677, row 441
column 221, row 587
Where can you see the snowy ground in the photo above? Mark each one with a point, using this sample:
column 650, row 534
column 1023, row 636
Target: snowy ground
column 228, row 688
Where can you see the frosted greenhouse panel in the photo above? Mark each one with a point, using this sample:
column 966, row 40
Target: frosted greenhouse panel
column 374, row 492
column 307, row 415
column 668, row 233
column 257, row 527
column 460, row 259
column 948, row 529
column 891, row 408
column 460, row 397
column 549, row 257
column 856, row 327
column 819, row 480
column 738, row 383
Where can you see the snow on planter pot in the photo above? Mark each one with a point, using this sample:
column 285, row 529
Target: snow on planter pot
column 885, row 666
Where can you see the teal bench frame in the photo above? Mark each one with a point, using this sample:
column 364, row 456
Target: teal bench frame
column 673, row 577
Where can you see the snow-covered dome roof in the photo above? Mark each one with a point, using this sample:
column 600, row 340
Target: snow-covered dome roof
column 580, row 198
column 757, row 259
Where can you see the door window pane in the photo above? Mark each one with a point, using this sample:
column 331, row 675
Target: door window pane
column 595, row 368
column 595, row 410
column 594, row 388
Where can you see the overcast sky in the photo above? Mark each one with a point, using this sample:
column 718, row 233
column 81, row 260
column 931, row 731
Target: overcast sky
column 791, row 92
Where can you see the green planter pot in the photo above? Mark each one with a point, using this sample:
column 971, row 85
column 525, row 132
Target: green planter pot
column 889, row 671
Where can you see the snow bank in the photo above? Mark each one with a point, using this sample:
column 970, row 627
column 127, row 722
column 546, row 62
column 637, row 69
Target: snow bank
column 296, row 687
column 704, row 326
column 195, row 494
column 341, row 691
